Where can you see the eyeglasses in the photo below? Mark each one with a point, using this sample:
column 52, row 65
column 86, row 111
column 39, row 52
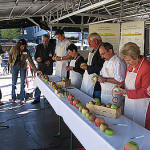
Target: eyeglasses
column 102, row 54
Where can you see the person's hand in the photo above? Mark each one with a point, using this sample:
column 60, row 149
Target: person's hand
column 47, row 62
column 54, row 57
column 101, row 79
column 84, row 67
column 39, row 59
column 10, row 66
column 69, row 68
column 39, row 72
column 58, row 58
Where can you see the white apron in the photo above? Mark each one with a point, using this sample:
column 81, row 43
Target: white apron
column 135, row 109
column 106, row 88
column 61, row 65
column 76, row 78
column 87, row 85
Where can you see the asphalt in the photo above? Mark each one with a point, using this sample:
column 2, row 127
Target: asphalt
column 31, row 127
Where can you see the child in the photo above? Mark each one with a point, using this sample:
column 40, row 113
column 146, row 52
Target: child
column 1, row 98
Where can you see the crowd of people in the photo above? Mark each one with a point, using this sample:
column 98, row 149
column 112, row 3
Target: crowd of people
column 130, row 72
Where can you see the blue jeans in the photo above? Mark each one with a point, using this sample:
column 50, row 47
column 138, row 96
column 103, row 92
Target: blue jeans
column 97, row 94
column 37, row 94
column 15, row 71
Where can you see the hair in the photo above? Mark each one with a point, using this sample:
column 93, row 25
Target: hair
column 130, row 49
column 61, row 32
column 46, row 36
column 21, row 42
column 72, row 47
column 93, row 36
column 107, row 46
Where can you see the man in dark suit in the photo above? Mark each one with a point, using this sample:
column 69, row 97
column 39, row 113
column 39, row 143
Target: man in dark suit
column 43, row 56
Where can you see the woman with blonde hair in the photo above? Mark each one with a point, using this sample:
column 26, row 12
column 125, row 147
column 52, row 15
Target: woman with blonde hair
column 134, row 87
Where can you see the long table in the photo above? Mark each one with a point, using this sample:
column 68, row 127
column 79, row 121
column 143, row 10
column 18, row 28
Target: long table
column 88, row 133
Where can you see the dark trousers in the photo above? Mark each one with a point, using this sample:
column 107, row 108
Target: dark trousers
column 0, row 94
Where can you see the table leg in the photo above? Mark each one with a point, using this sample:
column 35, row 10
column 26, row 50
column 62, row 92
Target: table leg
column 43, row 103
column 71, row 140
column 60, row 121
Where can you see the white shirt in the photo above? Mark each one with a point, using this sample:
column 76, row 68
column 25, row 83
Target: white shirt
column 65, row 43
column 117, row 65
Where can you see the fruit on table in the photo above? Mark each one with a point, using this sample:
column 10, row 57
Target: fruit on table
column 131, row 146
column 80, row 108
column 88, row 115
column 99, row 121
column 64, row 79
column 78, row 105
column 116, row 89
column 108, row 105
column 75, row 101
column 91, row 102
column 113, row 106
column 109, row 131
column 70, row 97
column 96, row 100
column 103, row 127
column 82, row 64
column 98, row 103
column 85, row 110
column 92, row 118
column 94, row 79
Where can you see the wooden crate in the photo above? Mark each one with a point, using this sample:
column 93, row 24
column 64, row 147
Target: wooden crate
column 61, row 94
column 64, row 83
column 104, row 111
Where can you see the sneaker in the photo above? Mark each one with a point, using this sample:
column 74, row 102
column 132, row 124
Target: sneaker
column 35, row 102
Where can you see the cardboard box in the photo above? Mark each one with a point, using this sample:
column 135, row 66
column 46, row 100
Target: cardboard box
column 104, row 111
column 64, row 83
column 65, row 94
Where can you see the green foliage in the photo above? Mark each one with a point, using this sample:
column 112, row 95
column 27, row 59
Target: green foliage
column 10, row 33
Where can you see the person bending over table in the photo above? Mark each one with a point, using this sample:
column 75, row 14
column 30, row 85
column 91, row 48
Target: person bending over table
column 112, row 73
column 76, row 72
column 93, row 67
column 17, row 60
column 137, row 106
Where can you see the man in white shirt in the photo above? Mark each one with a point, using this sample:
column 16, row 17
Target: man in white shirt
column 112, row 73
column 61, row 54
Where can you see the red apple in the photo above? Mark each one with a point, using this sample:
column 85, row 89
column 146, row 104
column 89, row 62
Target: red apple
column 70, row 96
column 99, row 121
column 53, row 83
column 85, row 110
column 88, row 115
column 131, row 146
column 80, row 108
column 103, row 127
column 78, row 105
column 71, row 102
column 75, row 102
column 92, row 118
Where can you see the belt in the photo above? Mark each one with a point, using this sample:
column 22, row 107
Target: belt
column 17, row 64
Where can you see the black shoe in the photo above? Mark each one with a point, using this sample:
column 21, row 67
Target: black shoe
column 35, row 102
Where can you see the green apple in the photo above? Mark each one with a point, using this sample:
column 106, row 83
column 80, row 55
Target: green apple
column 78, row 105
column 116, row 89
column 131, row 146
column 98, row 103
column 103, row 105
column 64, row 79
column 94, row 79
column 39, row 58
column 113, row 106
column 88, row 115
column 109, row 132
column 103, row 127
column 83, row 64
column 91, row 102
column 80, row 108
column 84, row 111
column 96, row 100
column 148, row 89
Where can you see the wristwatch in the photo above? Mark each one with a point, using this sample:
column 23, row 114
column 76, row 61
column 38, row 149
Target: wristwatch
column 106, row 79
column 61, row 58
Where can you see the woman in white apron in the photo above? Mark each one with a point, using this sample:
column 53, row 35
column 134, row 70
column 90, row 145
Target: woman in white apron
column 136, row 83
column 75, row 71
column 61, row 55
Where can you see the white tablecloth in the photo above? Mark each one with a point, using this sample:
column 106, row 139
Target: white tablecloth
column 88, row 133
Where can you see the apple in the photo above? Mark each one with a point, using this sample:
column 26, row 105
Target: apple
column 75, row 101
column 108, row 105
column 103, row 105
column 92, row 118
column 78, row 105
column 116, row 89
column 91, row 102
column 96, row 100
column 113, row 106
column 109, row 131
column 103, row 127
column 39, row 59
column 71, row 102
column 48, row 82
column 80, row 108
column 131, row 146
column 83, row 64
column 64, row 79
column 99, row 121
column 85, row 110
column 98, row 103
column 70, row 97
column 148, row 89
column 88, row 115
column 94, row 79
column 53, row 83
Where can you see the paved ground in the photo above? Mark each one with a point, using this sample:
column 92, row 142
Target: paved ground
column 30, row 126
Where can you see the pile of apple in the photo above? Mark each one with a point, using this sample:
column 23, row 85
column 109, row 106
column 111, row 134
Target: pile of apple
column 99, row 121
column 97, row 102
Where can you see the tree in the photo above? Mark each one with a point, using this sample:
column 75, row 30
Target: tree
column 10, row 33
